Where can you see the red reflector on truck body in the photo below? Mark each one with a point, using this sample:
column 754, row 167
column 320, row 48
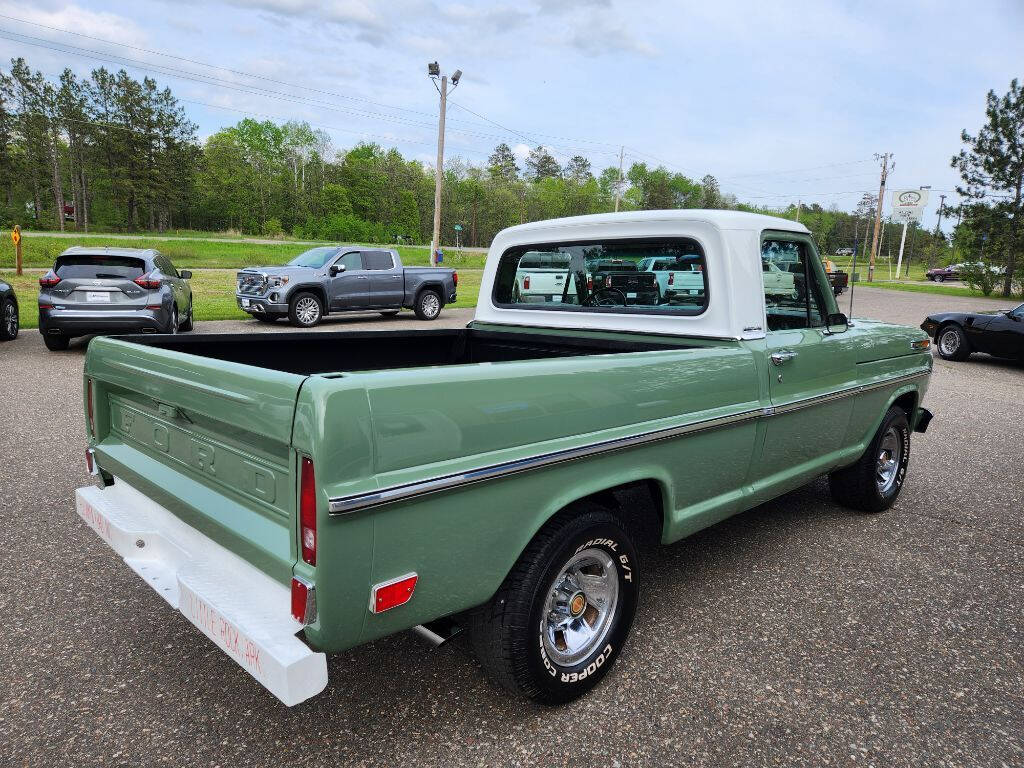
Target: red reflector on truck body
column 307, row 511
column 303, row 601
column 391, row 594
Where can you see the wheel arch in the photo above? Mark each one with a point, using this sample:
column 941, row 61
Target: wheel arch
column 434, row 286
column 314, row 288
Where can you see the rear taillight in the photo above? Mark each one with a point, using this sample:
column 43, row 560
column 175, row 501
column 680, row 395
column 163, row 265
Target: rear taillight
column 526, row 283
column 307, row 511
column 671, row 278
column 49, row 280
column 455, row 278
column 89, row 408
column 590, row 284
column 147, row 281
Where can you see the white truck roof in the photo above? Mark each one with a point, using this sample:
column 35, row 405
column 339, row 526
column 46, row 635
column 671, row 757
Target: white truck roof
column 731, row 241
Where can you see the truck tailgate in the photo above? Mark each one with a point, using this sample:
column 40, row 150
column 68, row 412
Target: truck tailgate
column 209, row 440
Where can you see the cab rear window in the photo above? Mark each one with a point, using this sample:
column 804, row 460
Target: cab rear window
column 99, row 267
column 614, row 276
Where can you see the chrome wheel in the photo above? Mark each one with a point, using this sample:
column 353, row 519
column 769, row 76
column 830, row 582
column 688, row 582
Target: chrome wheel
column 174, row 320
column 307, row 310
column 580, row 607
column 10, row 320
column 890, row 452
column 949, row 342
column 431, row 305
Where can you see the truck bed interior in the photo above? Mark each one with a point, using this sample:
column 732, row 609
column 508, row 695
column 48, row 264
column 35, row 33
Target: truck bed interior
column 332, row 352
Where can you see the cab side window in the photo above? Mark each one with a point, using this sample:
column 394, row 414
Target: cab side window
column 378, row 260
column 792, row 295
column 351, row 261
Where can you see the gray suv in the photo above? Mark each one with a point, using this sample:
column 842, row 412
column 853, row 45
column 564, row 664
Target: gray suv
column 112, row 290
column 335, row 279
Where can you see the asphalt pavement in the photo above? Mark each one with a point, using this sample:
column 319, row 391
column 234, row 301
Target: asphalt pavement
column 798, row 633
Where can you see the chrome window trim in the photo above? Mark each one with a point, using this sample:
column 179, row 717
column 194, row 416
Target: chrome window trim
column 343, row 505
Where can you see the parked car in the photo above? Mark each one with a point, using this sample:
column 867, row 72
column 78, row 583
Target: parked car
column 956, row 271
column 336, row 279
column 958, row 334
column 112, row 290
column 679, row 278
column 844, row 252
column 8, row 312
column 620, row 282
column 541, row 276
column 498, row 477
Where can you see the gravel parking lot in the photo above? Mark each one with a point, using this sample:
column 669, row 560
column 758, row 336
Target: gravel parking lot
column 798, row 633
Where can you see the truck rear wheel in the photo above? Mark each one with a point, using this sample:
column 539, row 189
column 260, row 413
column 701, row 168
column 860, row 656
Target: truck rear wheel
column 428, row 305
column 559, row 620
column 874, row 482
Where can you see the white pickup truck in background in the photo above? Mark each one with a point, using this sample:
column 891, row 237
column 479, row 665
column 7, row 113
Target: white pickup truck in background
column 677, row 277
column 541, row 276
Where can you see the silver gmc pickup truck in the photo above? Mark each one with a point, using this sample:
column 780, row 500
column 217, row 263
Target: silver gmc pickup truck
column 333, row 278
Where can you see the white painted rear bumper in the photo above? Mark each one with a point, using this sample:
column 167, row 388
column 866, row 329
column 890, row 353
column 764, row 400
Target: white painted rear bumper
column 237, row 606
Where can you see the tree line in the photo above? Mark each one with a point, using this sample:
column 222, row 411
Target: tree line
column 114, row 153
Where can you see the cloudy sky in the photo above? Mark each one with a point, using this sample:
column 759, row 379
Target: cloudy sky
column 779, row 100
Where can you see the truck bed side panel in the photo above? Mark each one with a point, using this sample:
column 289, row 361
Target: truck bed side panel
column 433, row 422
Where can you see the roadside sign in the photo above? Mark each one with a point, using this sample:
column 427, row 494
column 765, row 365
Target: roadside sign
column 458, row 227
column 908, row 204
column 16, row 235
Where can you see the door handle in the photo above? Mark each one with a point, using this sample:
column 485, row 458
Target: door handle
column 362, row 277
column 782, row 356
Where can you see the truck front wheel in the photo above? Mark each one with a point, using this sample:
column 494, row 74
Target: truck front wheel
column 305, row 310
column 874, row 482
column 560, row 619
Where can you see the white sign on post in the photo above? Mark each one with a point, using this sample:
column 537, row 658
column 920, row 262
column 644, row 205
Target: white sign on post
column 907, row 206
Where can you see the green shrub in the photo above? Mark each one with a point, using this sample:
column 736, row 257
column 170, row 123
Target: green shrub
column 981, row 277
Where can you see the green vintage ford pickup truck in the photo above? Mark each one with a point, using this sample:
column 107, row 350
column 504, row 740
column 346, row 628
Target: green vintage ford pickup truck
column 299, row 494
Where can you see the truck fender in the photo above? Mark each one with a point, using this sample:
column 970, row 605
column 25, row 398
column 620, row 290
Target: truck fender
column 908, row 396
column 435, row 286
column 311, row 288
column 586, row 489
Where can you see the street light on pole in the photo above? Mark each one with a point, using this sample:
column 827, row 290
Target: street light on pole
column 434, row 71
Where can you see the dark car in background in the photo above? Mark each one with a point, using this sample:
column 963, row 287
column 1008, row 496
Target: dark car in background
column 958, row 334
column 620, row 281
column 112, row 290
column 941, row 274
column 8, row 312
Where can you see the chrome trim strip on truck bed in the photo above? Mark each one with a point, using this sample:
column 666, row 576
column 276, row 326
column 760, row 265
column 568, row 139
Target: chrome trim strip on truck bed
column 342, row 505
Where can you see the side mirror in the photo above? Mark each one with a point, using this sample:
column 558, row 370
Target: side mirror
column 837, row 323
column 335, row 269
column 185, row 274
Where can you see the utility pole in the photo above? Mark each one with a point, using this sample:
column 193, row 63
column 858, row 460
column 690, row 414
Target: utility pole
column 434, row 71
column 618, row 184
column 799, row 205
column 938, row 224
column 878, row 213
